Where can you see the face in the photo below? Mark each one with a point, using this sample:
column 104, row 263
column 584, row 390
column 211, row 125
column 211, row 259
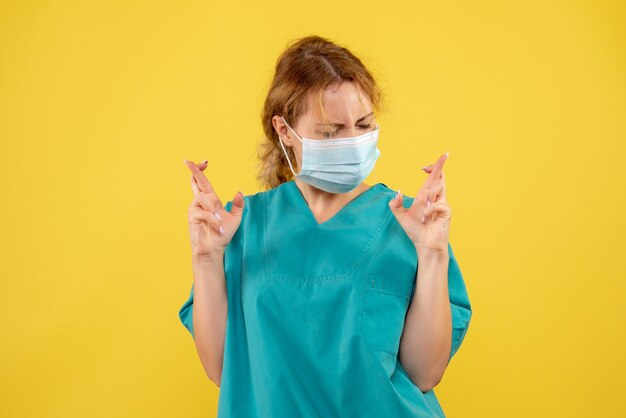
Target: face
column 347, row 115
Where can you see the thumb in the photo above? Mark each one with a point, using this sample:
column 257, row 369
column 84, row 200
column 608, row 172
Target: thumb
column 238, row 204
column 396, row 206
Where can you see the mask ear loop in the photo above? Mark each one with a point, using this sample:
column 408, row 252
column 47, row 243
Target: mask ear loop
column 285, row 151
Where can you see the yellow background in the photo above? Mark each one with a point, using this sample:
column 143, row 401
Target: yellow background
column 100, row 102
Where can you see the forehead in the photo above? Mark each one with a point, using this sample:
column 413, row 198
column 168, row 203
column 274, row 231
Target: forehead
column 343, row 102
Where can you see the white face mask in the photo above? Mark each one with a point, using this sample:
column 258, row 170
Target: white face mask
column 337, row 165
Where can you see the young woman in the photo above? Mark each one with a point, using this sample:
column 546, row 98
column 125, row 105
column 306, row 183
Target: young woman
column 323, row 296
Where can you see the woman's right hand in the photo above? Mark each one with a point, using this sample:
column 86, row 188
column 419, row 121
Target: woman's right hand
column 210, row 234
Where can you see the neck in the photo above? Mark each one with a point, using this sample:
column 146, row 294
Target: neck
column 320, row 200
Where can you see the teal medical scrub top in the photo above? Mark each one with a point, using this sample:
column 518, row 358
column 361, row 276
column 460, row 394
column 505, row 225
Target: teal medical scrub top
column 316, row 311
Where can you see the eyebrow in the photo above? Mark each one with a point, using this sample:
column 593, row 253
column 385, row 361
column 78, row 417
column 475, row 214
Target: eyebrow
column 341, row 125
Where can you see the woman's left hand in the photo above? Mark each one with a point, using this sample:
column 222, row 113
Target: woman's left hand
column 427, row 221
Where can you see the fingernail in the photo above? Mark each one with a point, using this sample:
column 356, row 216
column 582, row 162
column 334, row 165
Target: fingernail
column 424, row 168
column 205, row 161
column 185, row 160
column 398, row 193
column 428, row 202
column 219, row 218
column 423, row 220
column 447, row 154
column 221, row 229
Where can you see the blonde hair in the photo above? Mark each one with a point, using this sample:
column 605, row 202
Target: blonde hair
column 305, row 68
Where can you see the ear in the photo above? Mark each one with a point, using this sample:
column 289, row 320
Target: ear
column 282, row 130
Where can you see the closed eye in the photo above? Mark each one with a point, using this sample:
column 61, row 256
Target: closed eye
column 328, row 134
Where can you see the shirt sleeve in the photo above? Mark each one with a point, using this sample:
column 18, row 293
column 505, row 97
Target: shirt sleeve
column 186, row 311
column 459, row 303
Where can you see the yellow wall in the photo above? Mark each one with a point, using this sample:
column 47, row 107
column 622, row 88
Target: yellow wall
column 100, row 102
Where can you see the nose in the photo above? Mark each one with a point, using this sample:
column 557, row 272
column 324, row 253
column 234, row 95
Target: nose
column 350, row 132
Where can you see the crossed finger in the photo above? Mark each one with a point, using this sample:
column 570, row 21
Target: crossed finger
column 194, row 185
column 199, row 183
column 436, row 173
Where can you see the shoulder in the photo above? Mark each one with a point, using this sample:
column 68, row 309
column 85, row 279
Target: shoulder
column 257, row 200
column 389, row 193
column 381, row 190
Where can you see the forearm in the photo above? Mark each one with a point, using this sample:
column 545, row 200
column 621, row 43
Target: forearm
column 427, row 336
column 210, row 310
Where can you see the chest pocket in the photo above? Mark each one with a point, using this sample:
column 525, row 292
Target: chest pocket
column 385, row 303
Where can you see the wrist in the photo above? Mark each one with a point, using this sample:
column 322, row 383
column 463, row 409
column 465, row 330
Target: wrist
column 208, row 258
column 432, row 253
